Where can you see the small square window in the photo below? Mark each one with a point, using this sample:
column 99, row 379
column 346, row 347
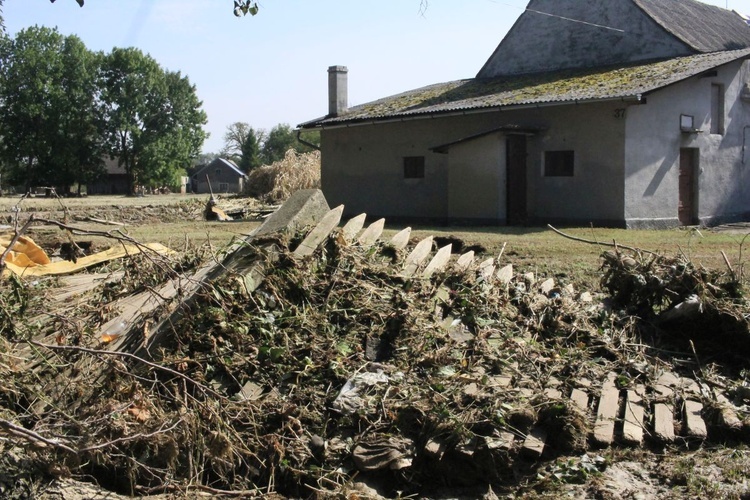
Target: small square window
column 223, row 187
column 414, row 167
column 218, row 171
column 559, row 163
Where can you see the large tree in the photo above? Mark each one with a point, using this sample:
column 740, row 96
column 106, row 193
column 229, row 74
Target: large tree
column 48, row 111
column 154, row 117
column 78, row 156
column 242, row 144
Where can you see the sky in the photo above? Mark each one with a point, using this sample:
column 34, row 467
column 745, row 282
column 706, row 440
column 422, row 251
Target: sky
column 272, row 68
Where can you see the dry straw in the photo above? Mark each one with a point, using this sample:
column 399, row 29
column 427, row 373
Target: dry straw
column 276, row 182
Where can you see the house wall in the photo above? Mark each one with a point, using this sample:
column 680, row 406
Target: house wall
column 610, row 32
column 362, row 166
column 653, row 148
column 476, row 180
column 595, row 193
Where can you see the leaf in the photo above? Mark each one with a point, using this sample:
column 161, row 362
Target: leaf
column 254, row 9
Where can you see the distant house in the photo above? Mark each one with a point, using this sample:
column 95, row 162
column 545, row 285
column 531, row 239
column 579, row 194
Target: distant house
column 631, row 113
column 224, row 176
column 114, row 180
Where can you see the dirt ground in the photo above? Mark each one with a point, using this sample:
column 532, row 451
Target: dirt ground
column 715, row 467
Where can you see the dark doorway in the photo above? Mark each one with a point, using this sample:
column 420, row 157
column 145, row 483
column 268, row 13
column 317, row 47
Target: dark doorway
column 515, row 161
column 687, row 208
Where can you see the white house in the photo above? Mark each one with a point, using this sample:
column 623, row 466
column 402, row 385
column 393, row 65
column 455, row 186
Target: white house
column 631, row 113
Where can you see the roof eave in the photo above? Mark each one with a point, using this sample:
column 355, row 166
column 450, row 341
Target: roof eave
column 430, row 115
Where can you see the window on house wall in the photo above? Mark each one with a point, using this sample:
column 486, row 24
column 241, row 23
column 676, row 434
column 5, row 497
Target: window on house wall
column 559, row 163
column 717, row 108
column 218, row 171
column 414, row 167
column 223, row 187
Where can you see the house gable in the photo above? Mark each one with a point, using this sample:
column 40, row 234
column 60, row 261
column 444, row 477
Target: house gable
column 220, row 175
column 565, row 34
column 562, row 34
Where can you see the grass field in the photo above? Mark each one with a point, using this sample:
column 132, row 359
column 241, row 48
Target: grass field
column 534, row 248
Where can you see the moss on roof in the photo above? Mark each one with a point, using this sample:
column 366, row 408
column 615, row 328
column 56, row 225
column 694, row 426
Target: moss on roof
column 545, row 88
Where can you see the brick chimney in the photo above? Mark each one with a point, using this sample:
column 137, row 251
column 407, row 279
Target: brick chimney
column 338, row 94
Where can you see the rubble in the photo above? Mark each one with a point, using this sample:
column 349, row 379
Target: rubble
column 313, row 353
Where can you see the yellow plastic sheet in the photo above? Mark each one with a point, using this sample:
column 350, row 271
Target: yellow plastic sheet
column 36, row 264
column 25, row 253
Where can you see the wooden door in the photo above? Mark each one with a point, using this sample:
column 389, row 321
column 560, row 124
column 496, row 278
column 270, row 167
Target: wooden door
column 516, row 179
column 687, row 209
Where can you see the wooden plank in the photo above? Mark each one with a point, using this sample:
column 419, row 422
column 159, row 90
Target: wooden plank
column 353, row 227
column 372, row 233
column 81, row 283
column 580, row 399
column 504, row 441
column 606, row 414
column 466, row 260
column 324, row 228
column 401, row 239
column 417, row 257
column 533, row 445
column 547, row 286
column 487, row 269
column 505, row 274
column 664, row 423
column 632, row 431
column 695, row 427
column 438, row 262
column 666, row 383
column 552, row 393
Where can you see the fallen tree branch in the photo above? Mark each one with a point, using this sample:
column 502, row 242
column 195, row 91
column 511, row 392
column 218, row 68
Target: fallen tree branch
column 590, row 242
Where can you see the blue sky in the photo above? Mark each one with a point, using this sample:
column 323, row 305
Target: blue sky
column 272, row 68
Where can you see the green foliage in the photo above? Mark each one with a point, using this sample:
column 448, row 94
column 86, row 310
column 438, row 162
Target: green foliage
column 242, row 145
column 49, row 115
column 64, row 109
column 154, row 117
column 245, row 7
column 280, row 139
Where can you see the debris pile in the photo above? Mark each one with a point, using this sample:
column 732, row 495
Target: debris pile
column 337, row 361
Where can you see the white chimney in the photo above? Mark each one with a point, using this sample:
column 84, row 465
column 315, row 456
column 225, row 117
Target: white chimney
column 338, row 94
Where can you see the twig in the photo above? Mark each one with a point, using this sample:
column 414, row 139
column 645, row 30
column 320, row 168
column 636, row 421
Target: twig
column 33, row 436
column 128, row 355
column 612, row 245
column 161, row 430
column 729, row 266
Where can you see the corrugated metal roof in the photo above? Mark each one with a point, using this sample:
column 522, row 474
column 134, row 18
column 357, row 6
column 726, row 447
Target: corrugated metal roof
column 222, row 162
column 558, row 87
column 706, row 28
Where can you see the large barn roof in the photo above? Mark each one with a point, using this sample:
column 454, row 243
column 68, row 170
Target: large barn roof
column 558, row 87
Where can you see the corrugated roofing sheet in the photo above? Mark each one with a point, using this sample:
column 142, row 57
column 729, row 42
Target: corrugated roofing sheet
column 548, row 88
column 706, row 28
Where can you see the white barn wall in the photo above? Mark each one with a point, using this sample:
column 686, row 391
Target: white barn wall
column 653, row 142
